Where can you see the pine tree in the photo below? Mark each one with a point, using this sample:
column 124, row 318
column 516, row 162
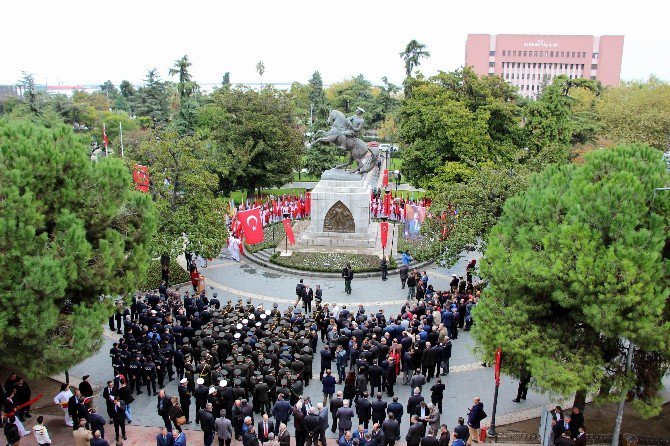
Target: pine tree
column 73, row 234
column 577, row 266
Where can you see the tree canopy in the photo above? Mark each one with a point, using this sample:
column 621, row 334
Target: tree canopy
column 72, row 232
column 576, row 265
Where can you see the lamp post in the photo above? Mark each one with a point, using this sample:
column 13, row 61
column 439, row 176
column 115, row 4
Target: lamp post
column 492, row 429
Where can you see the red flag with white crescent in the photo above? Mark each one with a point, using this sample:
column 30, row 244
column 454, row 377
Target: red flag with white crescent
column 387, row 203
column 289, row 231
column 498, row 363
column 385, row 178
column 105, row 140
column 252, row 225
column 384, row 227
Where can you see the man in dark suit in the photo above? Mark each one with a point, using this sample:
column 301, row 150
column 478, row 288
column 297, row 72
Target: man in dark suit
column 281, row 411
column 375, row 377
column 462, row 430
column 344, row 415
column 165, row 438
column 335, row 403
column 378, row 409
column 428, row 362
column 415, row 432
column 163, row 407
column 108, row 394
column 119, row 418
column 396, row 409
column 364, row 410
column 414, row 401
column 391, row 429
column 430, row 440
column 75, row 408
column 98, row 440
column 265, row 427
column 284, row 437
column 97, row 422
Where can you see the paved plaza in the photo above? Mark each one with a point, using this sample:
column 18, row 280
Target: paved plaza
column 232, row 281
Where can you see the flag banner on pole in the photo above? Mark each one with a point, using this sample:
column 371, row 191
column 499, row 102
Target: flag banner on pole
column 141, row 177
column 289, row 231
column 387, row 204
column 414, row 216
column 385, row 178
column 252, row 225
column 105, row 140
column 498, row 362
column 384, row 228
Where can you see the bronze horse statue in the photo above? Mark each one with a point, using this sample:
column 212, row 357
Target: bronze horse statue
column 341, row 135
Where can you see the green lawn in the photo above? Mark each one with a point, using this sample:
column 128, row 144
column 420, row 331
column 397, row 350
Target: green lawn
column 305, row 177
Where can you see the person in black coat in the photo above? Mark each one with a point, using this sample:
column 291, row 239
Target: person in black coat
column 163, row 406
column 364, row 410
column 375, row 377
column 85, row 387
column 396, row 409
column 97, row 422
column 414, row 401
column 119, row 418
column 437, row 393
column 428, row 362
column 12, row 432
column 76, row 408
column 378, row 409
column 391, row 429
column 430, row 440
column 414, row 433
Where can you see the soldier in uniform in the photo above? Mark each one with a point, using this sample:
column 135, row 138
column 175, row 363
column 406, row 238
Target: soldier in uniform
column 149, row 369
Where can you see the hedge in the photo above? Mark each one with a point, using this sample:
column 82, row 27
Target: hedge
column 177, row 275
column 330, row 262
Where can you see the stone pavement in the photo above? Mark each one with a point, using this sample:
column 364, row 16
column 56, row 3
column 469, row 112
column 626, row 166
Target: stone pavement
column 233, row 280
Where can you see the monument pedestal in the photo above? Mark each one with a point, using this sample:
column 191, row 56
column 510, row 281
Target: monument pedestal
column 340, row 211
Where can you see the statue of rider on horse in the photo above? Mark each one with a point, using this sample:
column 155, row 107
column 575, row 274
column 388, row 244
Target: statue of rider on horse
column 344, row 134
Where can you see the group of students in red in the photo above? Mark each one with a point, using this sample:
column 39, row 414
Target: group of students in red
column 393, row 207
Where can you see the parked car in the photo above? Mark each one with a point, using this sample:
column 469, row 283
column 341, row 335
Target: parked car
column 373, row 144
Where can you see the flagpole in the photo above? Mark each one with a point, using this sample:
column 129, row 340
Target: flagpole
column 104, row 132
column 121, row 135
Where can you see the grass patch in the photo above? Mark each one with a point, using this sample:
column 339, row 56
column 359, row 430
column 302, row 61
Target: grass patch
column 330, row 262
column 279, row 234
column 239, row 196
column 177, row 275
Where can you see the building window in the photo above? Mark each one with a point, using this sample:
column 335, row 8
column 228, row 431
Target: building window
column 573, row 54
column 593, row 77
column 581, row 66
column 503, row 52
column 532, row 87
column 551, row 54
column 524, row 53
column 594, row 66
column 533, row 76
column 506, row 75
column 492, row 53
column 514, row 53
column 584, row 54
column 527, row 87
column 523, row 76
column 492, row 64
column 572, row 66
column 579, row 54
column 562, row 53
column 595, row 55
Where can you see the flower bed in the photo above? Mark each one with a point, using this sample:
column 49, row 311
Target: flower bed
column 177, row 275
column 267, row 238
column 330, row 262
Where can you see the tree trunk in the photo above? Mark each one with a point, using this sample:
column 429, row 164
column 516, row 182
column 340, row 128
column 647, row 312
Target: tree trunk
column 580, row 400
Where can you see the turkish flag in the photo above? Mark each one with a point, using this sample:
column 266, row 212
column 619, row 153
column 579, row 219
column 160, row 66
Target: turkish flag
column 308, row 203
column 289, row 231
column 141, row 177
column 384, row 227
column 105, row 140
column 385, row 178
column 387, row 204
column 252, row 225
column 498, row 363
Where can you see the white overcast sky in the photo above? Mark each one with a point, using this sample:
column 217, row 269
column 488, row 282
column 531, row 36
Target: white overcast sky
column 86, row 42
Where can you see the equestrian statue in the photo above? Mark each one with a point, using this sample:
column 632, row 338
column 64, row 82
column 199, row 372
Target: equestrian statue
column 344, row 134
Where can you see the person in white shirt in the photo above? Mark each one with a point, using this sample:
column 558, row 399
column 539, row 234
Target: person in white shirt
column 41, row 433
column 61, row 399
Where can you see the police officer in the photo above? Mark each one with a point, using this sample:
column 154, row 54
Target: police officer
column 150, row 375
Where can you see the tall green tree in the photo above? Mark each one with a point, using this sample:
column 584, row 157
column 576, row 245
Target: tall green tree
column 570, row 284
column 30, row 93
column 185, row 84
column 414, row 52
column 185, row 193
column 637, row 111
column 260, row 69
column 455, row 120
column 73, row 233
column 151, row 100
column 253, row 137
column 225, row 81
column 317, row 99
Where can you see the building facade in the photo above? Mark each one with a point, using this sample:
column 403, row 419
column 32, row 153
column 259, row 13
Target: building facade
column 530, row 61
